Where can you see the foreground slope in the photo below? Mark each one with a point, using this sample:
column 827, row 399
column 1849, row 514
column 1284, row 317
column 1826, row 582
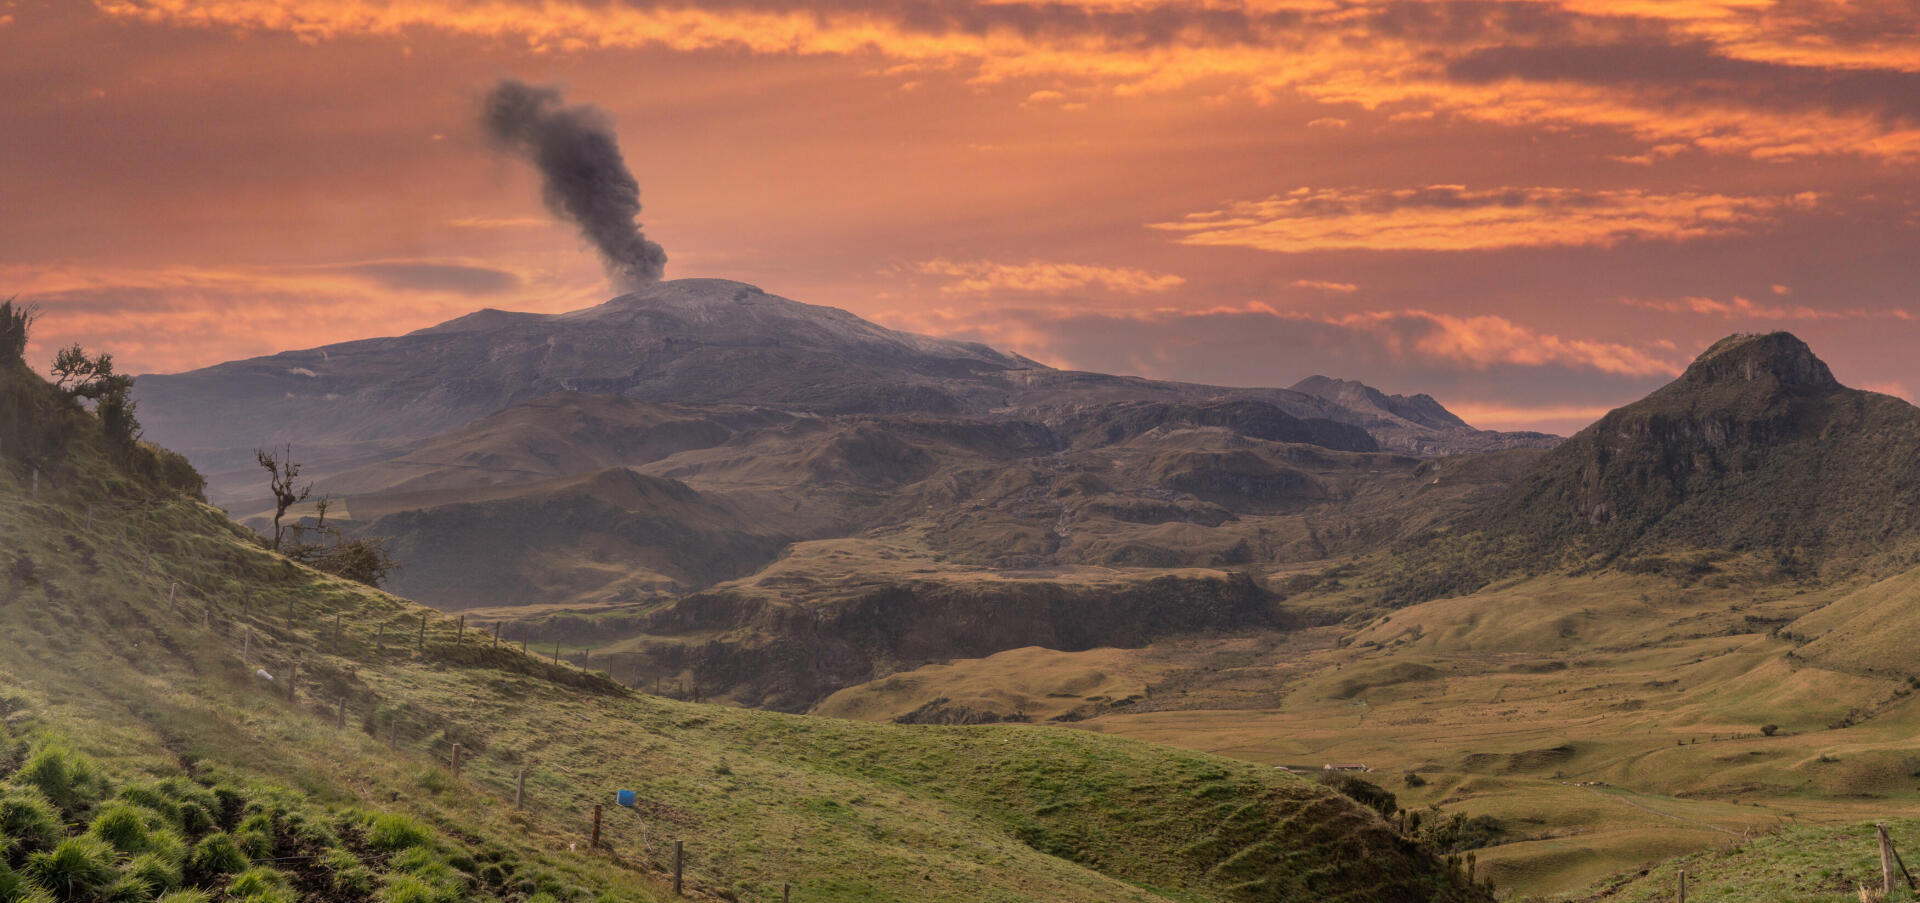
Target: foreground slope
column 138, row 623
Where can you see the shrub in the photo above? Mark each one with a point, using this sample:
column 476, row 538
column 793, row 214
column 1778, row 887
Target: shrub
column 261, row 885
column 255, row 836
column 77, row 869
column 66, row 778
column 28, row 820
column 411, row 889
column 124, row 826
column 394, row 832
column 1769, row 729
column 185, row 896
column 154, row 800
column 216, row 854
column 127, row 889
column 15, row 886
column 1364, row 792
column 160, row 873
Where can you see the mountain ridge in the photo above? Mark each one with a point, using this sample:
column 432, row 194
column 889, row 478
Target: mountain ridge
column 690, row 341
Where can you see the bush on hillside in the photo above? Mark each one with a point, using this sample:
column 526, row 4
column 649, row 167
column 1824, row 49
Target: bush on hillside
column 28, row 821
column 66, row 778
column 394, row 832
column 15, row 320
column 1364, row 792
column 216, row 854
column 79, row 868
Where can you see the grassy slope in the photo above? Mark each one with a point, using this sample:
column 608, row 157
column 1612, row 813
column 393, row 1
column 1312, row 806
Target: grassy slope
column 1795, row 865
column 843, row 810
column 1611, row 721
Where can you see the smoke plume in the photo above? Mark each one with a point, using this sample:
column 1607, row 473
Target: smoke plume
column 585, row 180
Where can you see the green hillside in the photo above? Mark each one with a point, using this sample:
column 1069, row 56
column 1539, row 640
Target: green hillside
column 146, row 753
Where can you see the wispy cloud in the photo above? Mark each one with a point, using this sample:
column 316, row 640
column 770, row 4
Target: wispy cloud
column 1739, row 307
column 1486, row 341
column 1325, row 286
column 1041, row 277
column 1457, row 218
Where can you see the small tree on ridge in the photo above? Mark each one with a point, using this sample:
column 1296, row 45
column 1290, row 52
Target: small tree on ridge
column 283, row 472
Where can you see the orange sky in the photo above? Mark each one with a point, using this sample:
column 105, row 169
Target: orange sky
column 1532, row 209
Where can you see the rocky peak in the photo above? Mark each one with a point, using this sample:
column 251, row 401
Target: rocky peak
column 1776, row 357
column 1419, row 409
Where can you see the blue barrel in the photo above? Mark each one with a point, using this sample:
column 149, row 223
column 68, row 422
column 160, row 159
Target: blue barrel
column 624, row 798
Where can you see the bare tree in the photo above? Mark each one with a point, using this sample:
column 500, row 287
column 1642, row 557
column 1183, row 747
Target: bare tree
column 283, row 473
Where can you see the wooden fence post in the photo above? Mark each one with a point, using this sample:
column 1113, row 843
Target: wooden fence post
column 380, row 639
column 556, row 652
column 246, row 646
column 340, row 719
column 293, row 673
column 786, row 893
column 336, row 632
column 520, row 790
column 1911, row 885
column 1886, row 862
column 1683, row 886
column 593, row 843
column 172, row 592
column 423, row 633
column 461, row 632
column 456, row 761
column 496, row 634
column 679, row 849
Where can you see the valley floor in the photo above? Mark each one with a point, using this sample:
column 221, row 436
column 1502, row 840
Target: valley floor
column 1609, row 722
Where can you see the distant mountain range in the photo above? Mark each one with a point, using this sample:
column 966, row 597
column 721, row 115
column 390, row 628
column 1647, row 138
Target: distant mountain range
column 701, row 458
column 690, row 342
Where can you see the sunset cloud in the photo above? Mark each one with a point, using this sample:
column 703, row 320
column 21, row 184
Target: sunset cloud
column 1455, row 218
column 1739, row 307
column 1344, row 288
column 1038, row 277
column 1480, row 342
column 1408, row 336
column 1771, row 80
column 175, row 317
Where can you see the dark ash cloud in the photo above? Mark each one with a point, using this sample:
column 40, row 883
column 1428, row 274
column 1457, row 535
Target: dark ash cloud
column 585, row 179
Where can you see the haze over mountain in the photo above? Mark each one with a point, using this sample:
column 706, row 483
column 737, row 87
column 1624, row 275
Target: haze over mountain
column 687, row 342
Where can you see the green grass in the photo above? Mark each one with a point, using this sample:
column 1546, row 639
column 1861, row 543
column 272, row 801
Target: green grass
column 1795, row 865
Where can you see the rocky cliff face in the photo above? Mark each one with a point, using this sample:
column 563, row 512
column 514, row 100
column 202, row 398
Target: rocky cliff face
column 1755, row 446
column 766, row 652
